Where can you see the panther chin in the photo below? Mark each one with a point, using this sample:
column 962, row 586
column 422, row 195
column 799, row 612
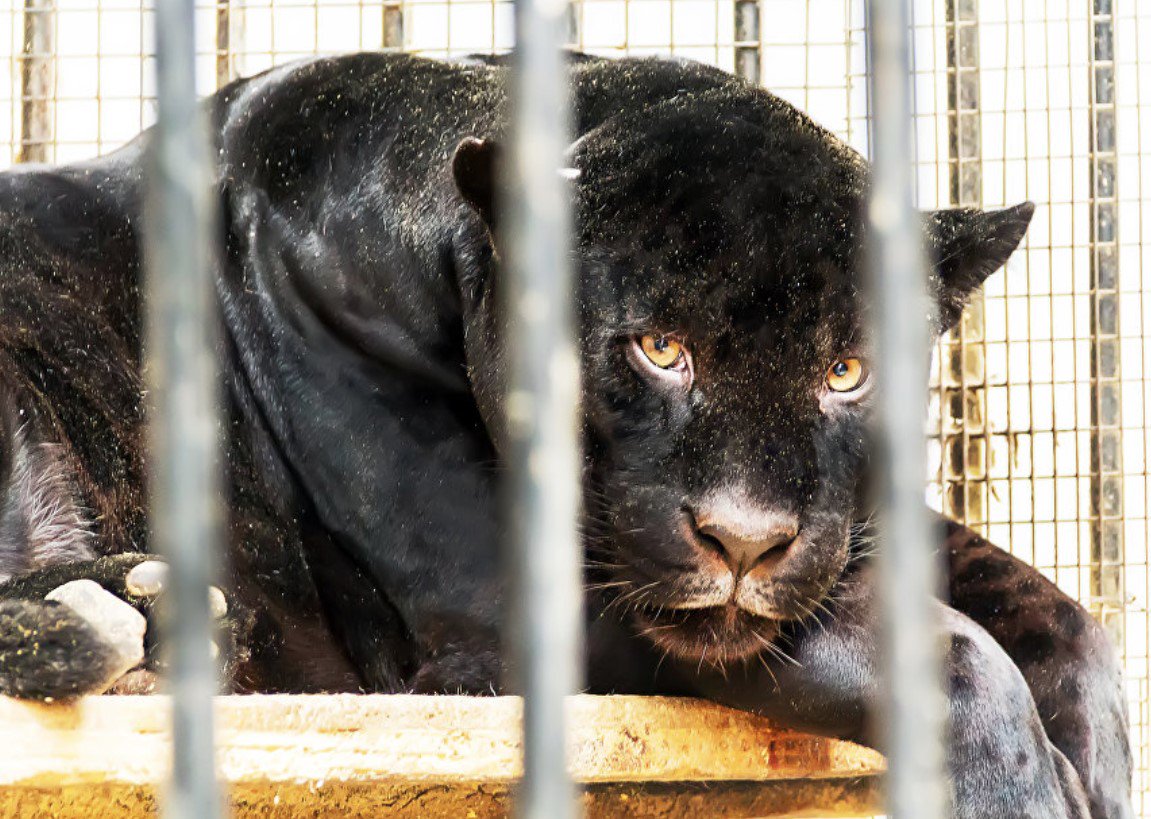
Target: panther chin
column 713, row 636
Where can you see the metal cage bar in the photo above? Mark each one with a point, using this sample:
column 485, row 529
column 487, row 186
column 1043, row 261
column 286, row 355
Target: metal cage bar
column 180, row 241
column 393, row 26
column 747, row 40
column 223, row 42
column 910, row 576
column 1107, row 592
column 38, row 81
column 542, row 410
column 964, row 445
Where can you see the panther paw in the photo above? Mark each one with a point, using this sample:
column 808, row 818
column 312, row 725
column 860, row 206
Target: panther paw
column 146, row 581
column 120, row 611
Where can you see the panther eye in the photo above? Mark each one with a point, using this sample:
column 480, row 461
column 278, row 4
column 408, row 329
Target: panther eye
column 662, row 359
column 662, row 351
column 846, row 375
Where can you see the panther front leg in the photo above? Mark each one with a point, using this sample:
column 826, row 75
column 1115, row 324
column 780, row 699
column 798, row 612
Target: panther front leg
column 85, row 627
column 1000, row 762
column 1068, row 662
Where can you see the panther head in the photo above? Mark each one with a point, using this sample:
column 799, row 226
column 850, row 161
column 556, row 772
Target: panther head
column 726, row 359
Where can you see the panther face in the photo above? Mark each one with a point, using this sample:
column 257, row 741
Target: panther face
column 727, row 369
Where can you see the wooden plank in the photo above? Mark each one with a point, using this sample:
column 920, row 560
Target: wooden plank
column 366, row 756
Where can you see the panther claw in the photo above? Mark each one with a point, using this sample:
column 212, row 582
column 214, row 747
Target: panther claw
column 149, row 578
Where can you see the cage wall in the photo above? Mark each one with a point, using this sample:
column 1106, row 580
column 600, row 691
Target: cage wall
column 1039, row 415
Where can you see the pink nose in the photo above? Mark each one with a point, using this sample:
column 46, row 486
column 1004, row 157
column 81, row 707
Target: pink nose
column 748, row 535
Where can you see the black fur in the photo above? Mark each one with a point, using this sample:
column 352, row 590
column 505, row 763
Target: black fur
column 364, row 366
column 49, row 652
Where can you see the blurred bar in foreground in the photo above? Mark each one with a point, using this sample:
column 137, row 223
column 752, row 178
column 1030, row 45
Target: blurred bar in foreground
column 180, row 253
column 542, row 410
column 910, row 576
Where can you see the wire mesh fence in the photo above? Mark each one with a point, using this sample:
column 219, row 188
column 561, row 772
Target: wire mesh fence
column 1038, row 426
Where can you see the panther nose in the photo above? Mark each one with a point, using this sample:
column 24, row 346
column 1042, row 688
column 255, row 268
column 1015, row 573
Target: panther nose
column 749, row 538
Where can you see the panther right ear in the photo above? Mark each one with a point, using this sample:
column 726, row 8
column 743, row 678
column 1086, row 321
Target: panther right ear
column 967, row 246
column 474, row 169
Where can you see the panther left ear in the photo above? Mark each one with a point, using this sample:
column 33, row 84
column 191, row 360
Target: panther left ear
column 967, row 246
column 474, row 168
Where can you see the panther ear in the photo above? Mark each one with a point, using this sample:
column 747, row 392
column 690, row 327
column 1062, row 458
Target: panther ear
column 967, row 246
column 474, row 168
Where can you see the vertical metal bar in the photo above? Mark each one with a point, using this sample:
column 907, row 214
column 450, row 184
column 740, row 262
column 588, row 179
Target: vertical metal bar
column 848, row 74
column 542, row 410
column 964, row 445
column 857, row 75
column 807, row 44
column 574, row 32
column 37, row 81
column 223, row 42
column 180, row 254
column 1107, row 546
column 909, row 573
column 747, row 40
column 393, row 25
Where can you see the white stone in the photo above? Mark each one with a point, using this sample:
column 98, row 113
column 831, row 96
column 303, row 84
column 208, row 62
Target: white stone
column 120, row 625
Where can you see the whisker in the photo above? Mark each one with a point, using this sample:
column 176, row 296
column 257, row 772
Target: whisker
column 776, row 651
column 615, row 584
column 767, row 668
column 659, row 665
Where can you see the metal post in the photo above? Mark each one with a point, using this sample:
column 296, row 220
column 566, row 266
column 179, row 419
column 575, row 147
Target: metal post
column 180, row 254
column 1107, row 546
column 747, row 42
column 542, row 410
column 909, row 571
column 963, row 441
column 393, row 34
column 223, row 42
column 37, row 81
column 573, row 37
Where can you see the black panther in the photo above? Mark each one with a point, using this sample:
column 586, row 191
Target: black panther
column 726, row 389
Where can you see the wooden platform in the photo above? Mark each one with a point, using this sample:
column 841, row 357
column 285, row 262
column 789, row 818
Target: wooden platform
column 368, row 756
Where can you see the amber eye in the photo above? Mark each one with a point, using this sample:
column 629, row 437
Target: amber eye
column 846, row 374
column 662, row 351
